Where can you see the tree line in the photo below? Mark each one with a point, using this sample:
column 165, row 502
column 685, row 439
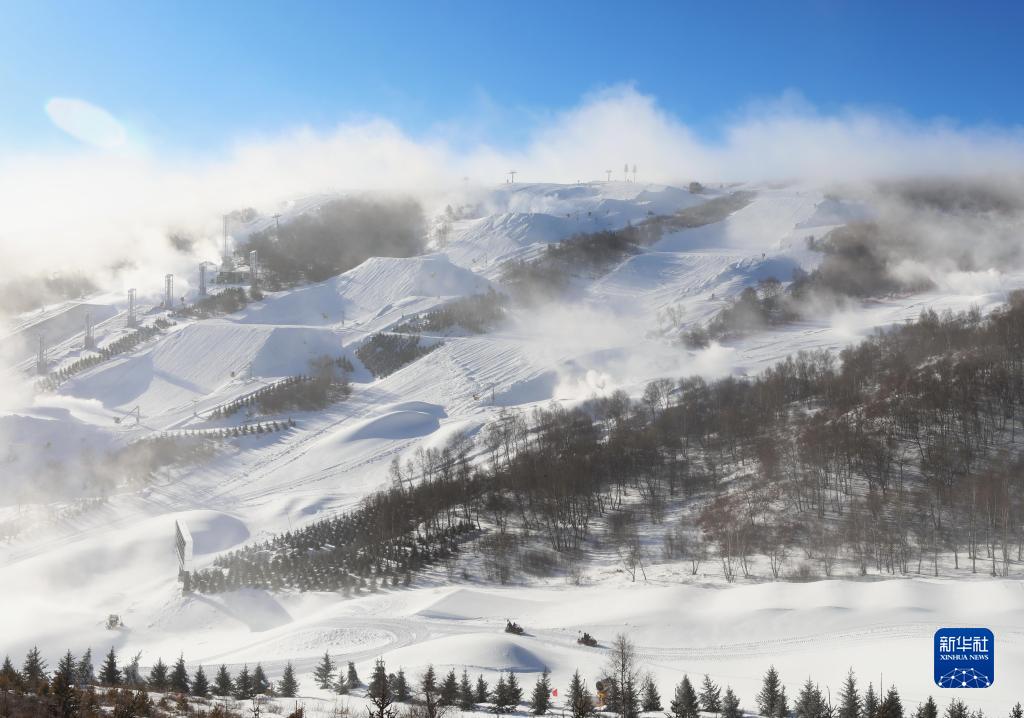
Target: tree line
column 901, row 455
column 623, row 690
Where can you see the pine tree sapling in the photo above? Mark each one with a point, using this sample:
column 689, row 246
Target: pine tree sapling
column 651, row 698
column 769, row 700
column 379, row 692
column 684, row 702
column 467, row 700
column 260, row 682
column 33, row 671
column 352, row 678
column 179, row 677
column 710, row 697
column 449, row 690
column 288, row 686
column 403, row 694
column 849, row 698
column 731, row 704
column 223, row 685
column 200, row 683
column 540, row 700
column 581, row 703
column 481, row 691
column 110, row 674
column 324, row 672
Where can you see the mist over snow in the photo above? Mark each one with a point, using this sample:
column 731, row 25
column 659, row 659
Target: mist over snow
column 93, row 208
column 91, row 483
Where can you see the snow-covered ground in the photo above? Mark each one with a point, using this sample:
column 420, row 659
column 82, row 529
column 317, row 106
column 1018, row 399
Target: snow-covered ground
column 63, row 577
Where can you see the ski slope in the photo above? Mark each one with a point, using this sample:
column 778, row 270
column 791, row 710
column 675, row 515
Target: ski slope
column 117, row 557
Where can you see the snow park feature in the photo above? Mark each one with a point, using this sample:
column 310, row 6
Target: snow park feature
column 373, row 528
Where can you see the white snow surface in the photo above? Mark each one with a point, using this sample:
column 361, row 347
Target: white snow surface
column 59, row 581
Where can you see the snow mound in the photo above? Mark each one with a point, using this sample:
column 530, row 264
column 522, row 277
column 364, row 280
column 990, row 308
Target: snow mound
column 375, row 286
column 466, row 604
column 395, row 425
column 213, row 531
column 478, row 651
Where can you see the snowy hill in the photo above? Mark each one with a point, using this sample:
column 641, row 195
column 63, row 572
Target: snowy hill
column 117, row 556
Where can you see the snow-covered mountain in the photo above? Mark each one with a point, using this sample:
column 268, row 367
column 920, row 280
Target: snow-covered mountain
column 67, row 563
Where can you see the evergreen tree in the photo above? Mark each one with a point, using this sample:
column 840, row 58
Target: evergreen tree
column 928, row 709
column 710, row 696
column 288, row 686
column 684, row 702
column 1016, row 712
column 581, row 703
column 515, row 692
column 783, row 704
column 243, row 684
column 260, row 682
column 892, row 706
column 379, row 692
column 84, row 675
column 809, row 702
column 449, row 690
column 870, row 708
column 650, row 698
column 466, row 695
column 63, row 686
column 731, row 704
column 540, row 701
column 401, row 685
column 33, row 671
column 9, row 676
column 769, row 700
column 132, row 676
column 849, row 698
column 352, row 678
column 481, row 689
column 957, row 709
column 428, row 690
column 324, row 672
column 200, row 683
column 110, row 674
column 157, row 679
column 222, row 684
column 179, row 676
column 500, row 701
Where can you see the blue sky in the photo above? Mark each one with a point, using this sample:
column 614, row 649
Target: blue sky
column 195, row 77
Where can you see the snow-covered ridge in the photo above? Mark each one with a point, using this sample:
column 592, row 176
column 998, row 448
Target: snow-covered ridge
column 118, row 558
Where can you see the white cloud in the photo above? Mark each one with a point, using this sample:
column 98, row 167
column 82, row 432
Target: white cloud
column 86, row 122
column 91, row 208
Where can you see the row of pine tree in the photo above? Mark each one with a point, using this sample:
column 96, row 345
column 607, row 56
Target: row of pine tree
column 435, row 695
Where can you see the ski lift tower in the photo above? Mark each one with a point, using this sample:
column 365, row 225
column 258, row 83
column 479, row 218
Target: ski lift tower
column 90, row 339
column 202, row 279
column 41, row 356
column 228, row 263
column 254, row 267
column 132, row 319
column 168, row 291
